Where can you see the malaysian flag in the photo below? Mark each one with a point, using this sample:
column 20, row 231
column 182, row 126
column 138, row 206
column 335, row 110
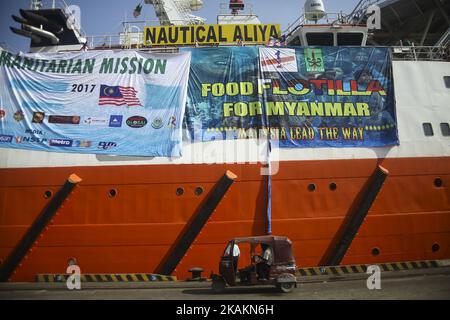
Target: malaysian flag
column 118, row 96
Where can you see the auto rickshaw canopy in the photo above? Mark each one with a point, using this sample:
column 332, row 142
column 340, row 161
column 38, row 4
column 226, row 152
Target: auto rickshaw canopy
column 281, row 246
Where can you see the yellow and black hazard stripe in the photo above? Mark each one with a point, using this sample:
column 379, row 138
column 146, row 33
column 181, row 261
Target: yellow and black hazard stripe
column 362, row 268
column 124, row 277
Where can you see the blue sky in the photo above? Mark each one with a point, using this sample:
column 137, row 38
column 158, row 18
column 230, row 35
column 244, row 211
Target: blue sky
column 104, row 17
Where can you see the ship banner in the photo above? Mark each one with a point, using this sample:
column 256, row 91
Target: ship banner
column 301, row 97
column 104, row 102
column 210, row 34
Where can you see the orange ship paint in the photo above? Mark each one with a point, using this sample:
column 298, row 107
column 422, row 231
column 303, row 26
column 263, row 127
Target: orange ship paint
column 124, row 219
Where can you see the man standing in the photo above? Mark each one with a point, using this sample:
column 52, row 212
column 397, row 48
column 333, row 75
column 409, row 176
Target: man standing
column 236, row 254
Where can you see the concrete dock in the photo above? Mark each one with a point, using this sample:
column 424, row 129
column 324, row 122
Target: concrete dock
column 411, row 284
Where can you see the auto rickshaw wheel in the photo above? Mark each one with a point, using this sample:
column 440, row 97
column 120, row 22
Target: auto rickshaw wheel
column 285, row 287
column 218, row 285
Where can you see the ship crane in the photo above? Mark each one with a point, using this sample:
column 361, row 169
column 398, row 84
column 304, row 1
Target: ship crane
column 177, row 12
column 50, row 29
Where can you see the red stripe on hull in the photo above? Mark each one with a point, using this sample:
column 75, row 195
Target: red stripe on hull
column 132, row 231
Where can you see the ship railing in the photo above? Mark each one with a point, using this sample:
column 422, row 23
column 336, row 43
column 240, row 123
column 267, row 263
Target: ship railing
column 125, row 41
column 329, row 18
column 48, row 4
column 141, row 24
column 421, row 53
column 103, row 41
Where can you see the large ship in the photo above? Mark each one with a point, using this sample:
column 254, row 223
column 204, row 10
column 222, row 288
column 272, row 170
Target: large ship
column 128, row 213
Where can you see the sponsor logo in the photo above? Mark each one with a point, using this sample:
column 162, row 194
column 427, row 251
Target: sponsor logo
column 106, row 145
column 136, row 122
column 5, row 138
column 172, row 122
column 2, row 113
column 31, row 131
column 314, row 60
column 83, row 143
column 64, row 119
column 157, row 123
column 30, row 139
column 95, row 121
column 115, row 121
column 61, row 143
column 38, row 117
column 19, row 116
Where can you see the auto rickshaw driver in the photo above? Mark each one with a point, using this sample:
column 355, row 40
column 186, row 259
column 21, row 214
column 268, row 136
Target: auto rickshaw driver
column 264, row 261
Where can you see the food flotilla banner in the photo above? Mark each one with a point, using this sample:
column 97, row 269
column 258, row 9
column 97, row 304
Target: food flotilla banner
column 102, row 102
column 299, row 97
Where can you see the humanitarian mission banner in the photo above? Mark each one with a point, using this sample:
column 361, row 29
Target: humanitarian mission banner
column 104, row 102
column 301, row 97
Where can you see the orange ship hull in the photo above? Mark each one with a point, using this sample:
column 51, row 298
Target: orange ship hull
column 131, row 228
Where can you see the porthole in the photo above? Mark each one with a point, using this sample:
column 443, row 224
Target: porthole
column 427, row 129
column 435, row 247
column 311, row 187
column 180, row 191
column 445, row 129
column 112, row 193
column 198, row 191
column 333, row 186
column 447, row 81
column 438, row 182
column 48, row 194
column 375, row 252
